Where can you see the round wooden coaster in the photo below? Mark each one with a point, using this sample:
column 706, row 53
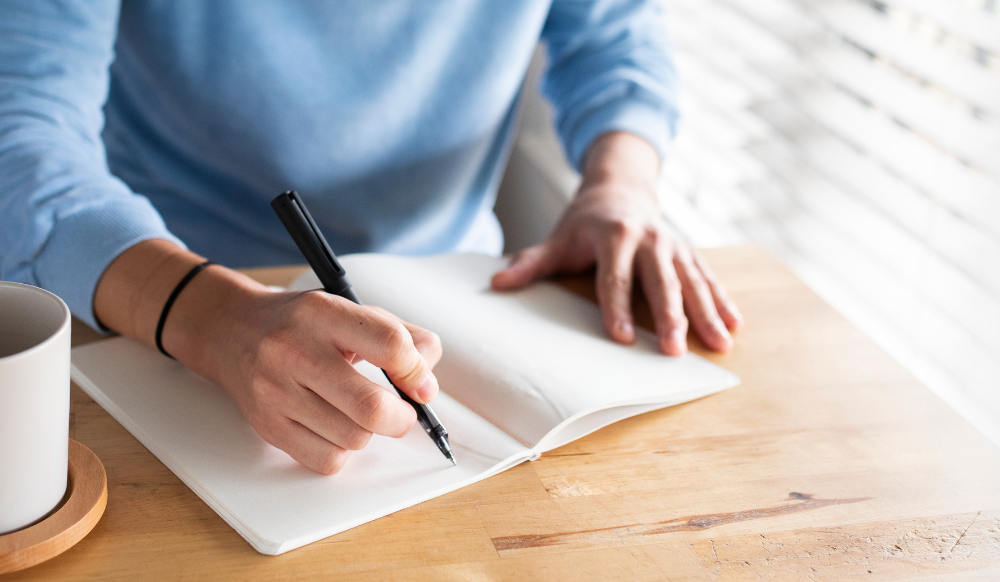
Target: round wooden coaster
column 83, row 507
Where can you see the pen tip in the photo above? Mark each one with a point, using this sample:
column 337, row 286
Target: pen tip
column 453, row 461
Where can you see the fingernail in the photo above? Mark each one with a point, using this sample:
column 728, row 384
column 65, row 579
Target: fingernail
column 428, row 388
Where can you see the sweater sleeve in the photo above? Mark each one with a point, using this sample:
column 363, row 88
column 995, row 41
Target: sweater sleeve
column 63, row 216
column 609, row 69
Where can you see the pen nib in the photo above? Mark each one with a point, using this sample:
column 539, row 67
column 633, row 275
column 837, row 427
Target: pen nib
column 440, row 437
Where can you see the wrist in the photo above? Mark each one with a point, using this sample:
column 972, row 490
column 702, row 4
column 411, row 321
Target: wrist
column 622, row 157
column 134, row 288
column 213, row 321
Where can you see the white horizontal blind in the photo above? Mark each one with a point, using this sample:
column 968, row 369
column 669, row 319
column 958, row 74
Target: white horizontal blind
column 859, row 140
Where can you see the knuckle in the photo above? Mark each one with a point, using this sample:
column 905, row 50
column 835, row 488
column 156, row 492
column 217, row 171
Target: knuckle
column 617, row 281
column 314, row 300
column 431, row 340
column 654, row 237
column 265, row 394
column 677, row 321
column 267, row 426
column 374, row 408
column 332, row 460
column 357, row 439
column 307, row 305
column 394, row 338
column 621, row 228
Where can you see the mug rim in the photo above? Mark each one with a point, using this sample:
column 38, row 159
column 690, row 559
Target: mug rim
column 66, row 321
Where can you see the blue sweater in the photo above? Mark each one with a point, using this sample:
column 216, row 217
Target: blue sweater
column 181, row 119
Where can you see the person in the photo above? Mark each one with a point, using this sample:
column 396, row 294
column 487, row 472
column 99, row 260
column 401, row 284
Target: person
column 138, row 138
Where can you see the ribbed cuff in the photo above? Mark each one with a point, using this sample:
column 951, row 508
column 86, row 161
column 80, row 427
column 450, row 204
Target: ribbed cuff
column 83, row 243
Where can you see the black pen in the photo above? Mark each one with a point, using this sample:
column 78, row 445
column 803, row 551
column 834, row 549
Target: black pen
column 299, row 223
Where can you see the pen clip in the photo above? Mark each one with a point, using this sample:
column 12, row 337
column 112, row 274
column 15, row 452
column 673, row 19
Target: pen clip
column 294, row 198
column 310, row 240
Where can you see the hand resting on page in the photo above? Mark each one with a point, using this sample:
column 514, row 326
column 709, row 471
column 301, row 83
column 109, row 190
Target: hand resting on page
column 615, row 222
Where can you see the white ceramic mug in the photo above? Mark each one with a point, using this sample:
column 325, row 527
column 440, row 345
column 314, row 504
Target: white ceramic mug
column 34, row 404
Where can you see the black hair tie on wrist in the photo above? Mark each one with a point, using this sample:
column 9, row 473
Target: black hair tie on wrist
column 170, row 303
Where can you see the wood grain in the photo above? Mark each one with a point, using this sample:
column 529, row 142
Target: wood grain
column 83, row 506
column 799, row 502
column 828, row 462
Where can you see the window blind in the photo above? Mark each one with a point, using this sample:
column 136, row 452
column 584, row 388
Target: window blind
column 859, row 140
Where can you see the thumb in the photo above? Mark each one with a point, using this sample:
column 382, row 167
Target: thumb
column 528, row 265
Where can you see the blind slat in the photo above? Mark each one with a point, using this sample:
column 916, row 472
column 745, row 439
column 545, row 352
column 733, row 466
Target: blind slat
column 978, row 27
column 967, row 300
column 970, row 82
column 968, row 192
column 908, row 206
column 927, row 168
column 975, row 141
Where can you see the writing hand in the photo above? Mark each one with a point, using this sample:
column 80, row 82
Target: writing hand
column 615, row 222
column 284, row 358
column 296, row 385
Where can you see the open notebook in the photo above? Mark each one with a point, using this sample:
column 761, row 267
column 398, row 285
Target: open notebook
column 522, row 373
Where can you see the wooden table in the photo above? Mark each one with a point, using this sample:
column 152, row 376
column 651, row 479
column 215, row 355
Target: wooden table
column 830, row 461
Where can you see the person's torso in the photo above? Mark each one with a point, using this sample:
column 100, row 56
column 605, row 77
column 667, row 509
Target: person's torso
column 391, row 118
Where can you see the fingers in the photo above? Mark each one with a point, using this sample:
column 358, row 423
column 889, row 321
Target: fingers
column 289, row 370
column 427, row 342
column 614, row 283
column 305, row 446
column 529, row 265
column 382, row 340
column 723, row 304
column 322, row 418
column 370, row 406
column 319, row 433
column 663, row 292
column 700, row 303
column 300, row 391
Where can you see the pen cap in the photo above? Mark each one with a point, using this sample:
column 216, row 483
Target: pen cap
column 311, row 242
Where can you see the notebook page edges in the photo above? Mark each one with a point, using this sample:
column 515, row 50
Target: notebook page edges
column 529, row 361
column 584, row 423
column 273, row 502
